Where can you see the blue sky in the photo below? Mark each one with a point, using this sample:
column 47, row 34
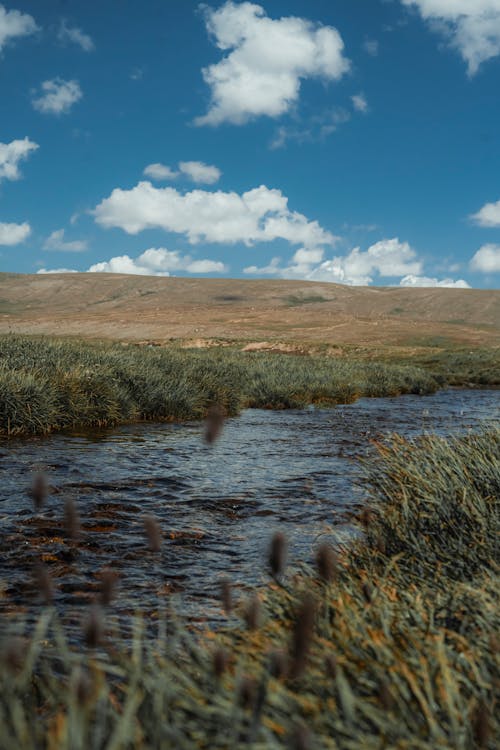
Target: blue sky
column 333, row 140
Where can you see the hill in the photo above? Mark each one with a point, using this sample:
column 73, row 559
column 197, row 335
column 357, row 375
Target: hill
column 159, row 309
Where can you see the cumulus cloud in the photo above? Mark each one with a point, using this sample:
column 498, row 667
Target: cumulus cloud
column 57, row 96
column 74, row 35
column 196, row 171
column 56, row 241
column 359, row 103
column 258, row 215
column 160, row 172
column 11, row 154
column 13, row 234
column 487, row 259
column 471, row 26
column 157, row 262
column 56, row 270
column 14, row 24
column 388, row 258
column 422, row 281
column 199, row 172
column 488, row 216
column 266, row 61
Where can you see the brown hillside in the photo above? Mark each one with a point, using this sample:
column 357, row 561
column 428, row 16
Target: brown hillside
column 139, row 308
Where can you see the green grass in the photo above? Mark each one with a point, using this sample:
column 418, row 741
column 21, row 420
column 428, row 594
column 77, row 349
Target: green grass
column 395, row 645
column 295, row 300
column 51, row 384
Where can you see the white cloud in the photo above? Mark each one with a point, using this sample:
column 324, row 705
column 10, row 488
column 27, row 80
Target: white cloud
column 315, row 129
column 359, row 103
column 423, row 281
column 56, row 241
column 371, row 47
column 199, row 172
column 10, row 156
column 14, row 24
column 76, row 36
column 157, row 262
column 56, row 270
column 472, row 26
column 388, row 258
column 196, row 171
column 58, row 96
column 266, row 61
column 13, row 234
column 258, row 215
column 487, row 259
column 488, row 216
column 159, row 171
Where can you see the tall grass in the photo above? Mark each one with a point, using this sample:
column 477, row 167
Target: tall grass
column 387, row 644
column 50, row 384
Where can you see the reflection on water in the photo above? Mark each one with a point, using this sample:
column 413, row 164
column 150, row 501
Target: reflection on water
column 218, row 505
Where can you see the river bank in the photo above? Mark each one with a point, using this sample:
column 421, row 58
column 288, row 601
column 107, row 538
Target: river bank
column 392, row 639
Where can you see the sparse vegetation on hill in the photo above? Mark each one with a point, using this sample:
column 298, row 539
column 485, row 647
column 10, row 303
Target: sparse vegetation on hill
column 392, row 642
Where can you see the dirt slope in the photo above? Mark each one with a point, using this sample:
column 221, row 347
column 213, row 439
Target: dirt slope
column 139, row 308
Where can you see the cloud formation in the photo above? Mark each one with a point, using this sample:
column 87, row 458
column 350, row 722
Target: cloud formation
column 258, row 215
column 57, row 96
column 471, row 26
column 14, row 24
column 13, row 234
column 74, row 35
column 56, row 241
column 266, row 61
column 11, row 154
column 488, row 216
column 487, row 259
column 421, row 281
column 359, row 103
column 157, row 262
column 388, row 258
column 196, row 171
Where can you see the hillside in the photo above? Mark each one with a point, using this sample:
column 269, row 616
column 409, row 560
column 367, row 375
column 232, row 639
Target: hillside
column 138, row 308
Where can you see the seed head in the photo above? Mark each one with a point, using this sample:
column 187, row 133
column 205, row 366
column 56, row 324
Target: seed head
column 278, row 664
column 214, row 423
column 93, row 629
column 482, row 724
column 368, row 592
column 220, row 662
column 13, row 653
column 385, row 695
column 300, row 739
column 277, row 555
column 326, row 562
column 153, row 533
column 108, row 587
column 226, row 596
column 247, row 691
column 39, row 491
column 44, row 584
column 252, row 612
column 302, row 634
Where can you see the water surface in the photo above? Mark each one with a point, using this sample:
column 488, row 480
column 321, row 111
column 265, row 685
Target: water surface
column 297, row 471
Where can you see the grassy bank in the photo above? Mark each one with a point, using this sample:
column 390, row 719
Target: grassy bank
column 392, row 643
column 51, row 384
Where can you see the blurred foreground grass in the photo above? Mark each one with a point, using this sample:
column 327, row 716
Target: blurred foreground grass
column 52, row 384
column 391, row 642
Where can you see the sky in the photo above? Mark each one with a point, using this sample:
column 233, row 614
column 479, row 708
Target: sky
column 351, row 141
